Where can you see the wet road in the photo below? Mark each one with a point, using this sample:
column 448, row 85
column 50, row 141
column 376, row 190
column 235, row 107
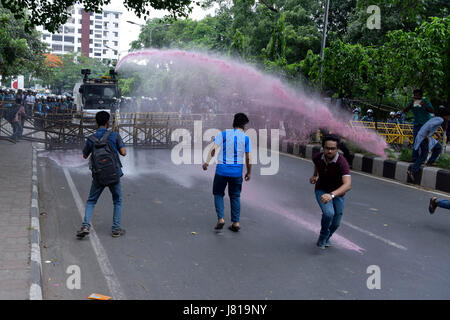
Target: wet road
column 171, row 251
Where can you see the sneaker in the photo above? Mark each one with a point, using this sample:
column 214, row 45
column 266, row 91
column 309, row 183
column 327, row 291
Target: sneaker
column 118, row 233
column 84, row 231
column 320, row 244
column 328, row 243
column 433, row 205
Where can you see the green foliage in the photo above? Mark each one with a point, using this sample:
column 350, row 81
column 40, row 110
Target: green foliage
column 52, row 14
column 443, row 161
column 64, row 77
column 405, row 155
column 20, row 51
column 284, row 37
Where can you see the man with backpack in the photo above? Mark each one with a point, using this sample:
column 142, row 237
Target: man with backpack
column 104, row 147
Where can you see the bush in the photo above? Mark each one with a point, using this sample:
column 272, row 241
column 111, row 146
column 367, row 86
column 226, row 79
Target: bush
column 443, row 161
column 405, row 155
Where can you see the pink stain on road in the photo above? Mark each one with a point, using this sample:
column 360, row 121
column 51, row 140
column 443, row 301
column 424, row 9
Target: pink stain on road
column 260, row 200
column 263, row 94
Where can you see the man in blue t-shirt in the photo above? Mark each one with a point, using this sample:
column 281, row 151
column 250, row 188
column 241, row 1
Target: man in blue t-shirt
column 233, row 144
column 116, row 143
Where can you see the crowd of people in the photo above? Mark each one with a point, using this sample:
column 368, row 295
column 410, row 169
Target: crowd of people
column 20, row 104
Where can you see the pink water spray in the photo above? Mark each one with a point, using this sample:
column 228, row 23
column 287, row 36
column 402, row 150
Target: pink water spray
column 302, row 113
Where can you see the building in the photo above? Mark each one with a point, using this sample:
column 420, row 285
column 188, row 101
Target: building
column 96, row 35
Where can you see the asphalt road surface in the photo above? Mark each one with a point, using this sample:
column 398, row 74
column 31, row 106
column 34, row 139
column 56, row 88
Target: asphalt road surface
column 171, row 250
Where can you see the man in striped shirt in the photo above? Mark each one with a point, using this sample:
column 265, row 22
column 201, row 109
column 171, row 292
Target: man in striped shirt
column 235, row 144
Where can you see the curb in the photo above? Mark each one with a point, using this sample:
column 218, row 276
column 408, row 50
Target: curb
column 428, row 177
column 35, row 236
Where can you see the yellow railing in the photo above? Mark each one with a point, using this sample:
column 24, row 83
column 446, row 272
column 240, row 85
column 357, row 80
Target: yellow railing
column 394, row 133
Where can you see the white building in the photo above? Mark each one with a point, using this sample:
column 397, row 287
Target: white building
column 94, row 34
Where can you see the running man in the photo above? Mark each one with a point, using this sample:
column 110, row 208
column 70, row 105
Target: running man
column 235, row 143
column 332, row 179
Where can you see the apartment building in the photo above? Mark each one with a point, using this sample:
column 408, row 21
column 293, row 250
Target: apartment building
column 96, row 35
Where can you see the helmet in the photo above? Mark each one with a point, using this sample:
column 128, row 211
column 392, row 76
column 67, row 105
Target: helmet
column 399, row 113
column 370, row 111
column 392, row 113
column 356, row 110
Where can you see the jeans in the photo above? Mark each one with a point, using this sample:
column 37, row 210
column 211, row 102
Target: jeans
column 444, row 204
column 17, row 130
column 94, row 194
column 415, row 153
column 331, row 215
column 436, row 151
column 234, row 192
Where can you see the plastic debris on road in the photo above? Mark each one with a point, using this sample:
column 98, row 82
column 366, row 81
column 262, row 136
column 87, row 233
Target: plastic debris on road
column 97, row 296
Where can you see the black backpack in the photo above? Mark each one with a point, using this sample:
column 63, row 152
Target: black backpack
column 104, row 162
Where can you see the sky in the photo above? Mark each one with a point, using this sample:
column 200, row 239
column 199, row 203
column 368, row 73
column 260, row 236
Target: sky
column 130, row 32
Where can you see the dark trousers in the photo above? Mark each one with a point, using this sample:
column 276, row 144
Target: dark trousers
column 234, row 191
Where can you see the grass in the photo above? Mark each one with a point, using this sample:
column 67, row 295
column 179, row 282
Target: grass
column 443, row 161
column 405, row 155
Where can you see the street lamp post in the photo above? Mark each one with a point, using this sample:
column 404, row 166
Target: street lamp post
column 324, row 37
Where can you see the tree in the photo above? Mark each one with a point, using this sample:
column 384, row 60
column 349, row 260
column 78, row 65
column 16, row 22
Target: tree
column 395, row 15
column 66, row 74
column 20, row 51
column 51, row 14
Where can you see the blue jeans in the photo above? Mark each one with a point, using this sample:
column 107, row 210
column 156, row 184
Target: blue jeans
column 94, row 194
column 331, row 215
column 436, row 151
column 415, row 153
column 444, row 204
column 234, row 192
column 17, row 130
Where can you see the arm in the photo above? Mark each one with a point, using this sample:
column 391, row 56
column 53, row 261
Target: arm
column 427, row 106
column 211, row 154
column 315, row 177
column 347, row 184
column 249, row 166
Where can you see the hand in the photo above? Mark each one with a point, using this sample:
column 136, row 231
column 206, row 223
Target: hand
column 205, row 166
column 326, row 198
column 247, row 177
column 313, row 179
column 427, row 138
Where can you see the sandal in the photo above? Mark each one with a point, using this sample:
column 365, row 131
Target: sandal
column 433, row 205
column 219, row 225
column 234, row 228
column 411, row 175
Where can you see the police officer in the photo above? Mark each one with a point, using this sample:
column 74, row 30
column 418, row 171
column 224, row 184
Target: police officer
column 369, row 116
column 400, row 117
column 356, row 113
column 391, row 118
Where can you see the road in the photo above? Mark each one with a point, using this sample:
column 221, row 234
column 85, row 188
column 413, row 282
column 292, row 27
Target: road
column 170, row 250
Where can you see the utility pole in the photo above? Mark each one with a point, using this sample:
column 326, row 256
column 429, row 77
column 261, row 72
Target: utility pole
column 324, row 38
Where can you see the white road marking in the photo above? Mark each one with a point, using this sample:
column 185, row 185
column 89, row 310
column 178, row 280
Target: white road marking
column 102, row 257
column 373, row 235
